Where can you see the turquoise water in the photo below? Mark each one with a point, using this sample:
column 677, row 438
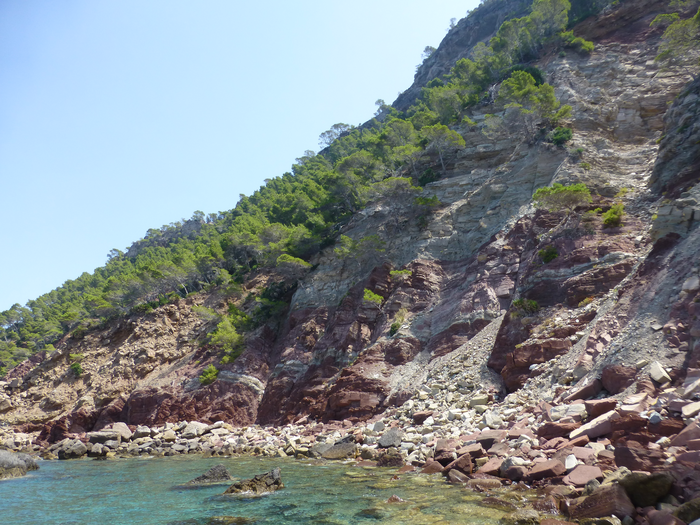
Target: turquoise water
column 145, row 492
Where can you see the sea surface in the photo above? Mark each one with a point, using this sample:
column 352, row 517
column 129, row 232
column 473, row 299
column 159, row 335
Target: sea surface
column 148, row 491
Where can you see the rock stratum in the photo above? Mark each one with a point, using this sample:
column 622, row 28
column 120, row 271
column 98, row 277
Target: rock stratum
column 605, row 371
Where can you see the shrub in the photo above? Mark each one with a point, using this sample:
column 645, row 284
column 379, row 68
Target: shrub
column 427, row 177
column 398, row 321
column 561, row 135
column 209, row 375
column 548, row 254
column 585, row 165
column 76, row 357
column 427, row 201
column 400, row 273
column 559, row 198
column 77, row 369
column 586, row 302
column 395, row 326
column 526, row 305
column 579, row 44
column 613, row 217
column 372, row 297
column 535, row 72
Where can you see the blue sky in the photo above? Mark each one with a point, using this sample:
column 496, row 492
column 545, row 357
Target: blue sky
column 120, row 116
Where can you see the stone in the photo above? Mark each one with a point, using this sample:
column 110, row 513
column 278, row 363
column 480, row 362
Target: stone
column 689, row 433
column 658, row 374
column 582, row 474
column 420, row 417
column 5, row 403
column 691, row 284
column 646, row 490
column 598, row 407
column 194, row 429
column 479, row 399
column 576, row 411
column 260, row 484
column 123, row 430
column 616, row 378
column 340, row 451
column 521, row 517
column 546, row 469
column 391, row 438
column 598, row 427
column 169, row 436
column 455, row 476
column 689, row 511
column 492, row 420
column 216, row 474
column 586, row 391
column 390, row 458
column 463, row 463
column 141, row 432
column 492, row 467
column 432, row 467
column 73, row 449
column 691, row 410
column 571, row 462
column 607, row 500
column 552, row 430
column 102, row 436
column 639, row 459
column 14, row 465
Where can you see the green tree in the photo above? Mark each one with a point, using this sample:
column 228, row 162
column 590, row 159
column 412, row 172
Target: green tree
column 558, row 197
column 442, row 139
column 680, row 45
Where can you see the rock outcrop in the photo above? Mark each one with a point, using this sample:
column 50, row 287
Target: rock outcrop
column 258, row 485
column 14, row 465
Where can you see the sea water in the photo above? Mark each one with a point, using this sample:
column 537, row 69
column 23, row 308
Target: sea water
column 149, row 491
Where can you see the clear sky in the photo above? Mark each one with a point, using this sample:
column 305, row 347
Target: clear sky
column 120, row 116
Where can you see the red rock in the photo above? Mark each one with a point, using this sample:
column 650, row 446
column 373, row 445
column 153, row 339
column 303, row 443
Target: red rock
column 499, row 449
column 693, row 444
column 578, row 442
column 690, row 457
column 667, row 427
column 446, row 445
column 584, row 453
column 455, row 476
column 487, row 438
column 661, row 517
column 515, row 433
column 597, row 427
column 475, row 450
column 586, row 391
column 582, row 474
column 552, row 430
column 552, row 521
column 638, row 458
column 598, row 407
column 689, row 433
column 420, row 417
column 616, row 378
column 432, row 467
column 607, row 500
column 556, row 443
column 407, row 468
column 515, row 473
column 546, row 469
column 491, row 467
column 463, row 463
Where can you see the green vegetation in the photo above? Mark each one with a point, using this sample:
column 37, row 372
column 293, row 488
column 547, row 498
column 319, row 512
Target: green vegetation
column 400, row 273
column 579, row 44
column 209, row 375
column 561, row 136
column 526, row 305
column 613, row 217
column 680, row 44
column 77, row 368
column 398, row 321
column 562, row 198
column 430, row 202
column 585, row 165
column 371, row 297
column 586, row 302
column 548, row 254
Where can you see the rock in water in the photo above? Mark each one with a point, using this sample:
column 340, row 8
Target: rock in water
column 14, row 465
column 260, row 484
column 216, row 474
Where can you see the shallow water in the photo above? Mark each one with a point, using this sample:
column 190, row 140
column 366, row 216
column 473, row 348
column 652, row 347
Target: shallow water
column 145, row 492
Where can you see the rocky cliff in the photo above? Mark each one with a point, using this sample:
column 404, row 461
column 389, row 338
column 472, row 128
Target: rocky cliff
column 623, row 296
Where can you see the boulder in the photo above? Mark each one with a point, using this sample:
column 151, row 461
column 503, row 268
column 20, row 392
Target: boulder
column 391, row 438
column 194, row 429
column 390, row 458
column 582, row 474
column 102, row 436
column 689, row 511
column 616, row 378
column 658, row 374
column 521, row 517
column 340, row 451
column 13, row 464
column 260, row 484
column 607, row 500
column 598, row 427
column 646, row 490
column 72, row 449
column 141, row 431
column 216, row 474
column 546, row 469
column 639, row 459
column 123, row 430
column 552, row 430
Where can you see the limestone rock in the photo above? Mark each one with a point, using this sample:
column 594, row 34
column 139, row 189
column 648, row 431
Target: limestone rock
column 391, row 438
column 658, row 374
column 13, row 465
column 260, row 484
column 340, row 451
column 216, row 474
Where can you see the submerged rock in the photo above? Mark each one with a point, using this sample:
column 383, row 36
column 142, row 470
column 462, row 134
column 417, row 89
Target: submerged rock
column 216, row 474
column 14, row 465
column 260, row 484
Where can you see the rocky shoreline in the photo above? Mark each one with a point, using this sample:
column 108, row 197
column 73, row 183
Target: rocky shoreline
column 633, row 456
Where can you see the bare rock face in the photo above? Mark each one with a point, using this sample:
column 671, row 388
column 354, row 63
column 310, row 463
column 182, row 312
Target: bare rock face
column 260, row 484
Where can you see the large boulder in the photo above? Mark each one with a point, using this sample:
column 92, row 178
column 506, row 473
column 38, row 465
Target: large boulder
column 260, row 484
column 391, row 438
column 646, row 490
column 216, row 474
column 13, row 465
column 608, row 500
column 340, row 451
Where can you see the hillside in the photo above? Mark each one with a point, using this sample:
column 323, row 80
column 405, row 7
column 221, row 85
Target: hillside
column 393, row 273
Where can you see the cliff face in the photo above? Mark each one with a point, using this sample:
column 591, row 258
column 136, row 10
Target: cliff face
column 612, row 296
